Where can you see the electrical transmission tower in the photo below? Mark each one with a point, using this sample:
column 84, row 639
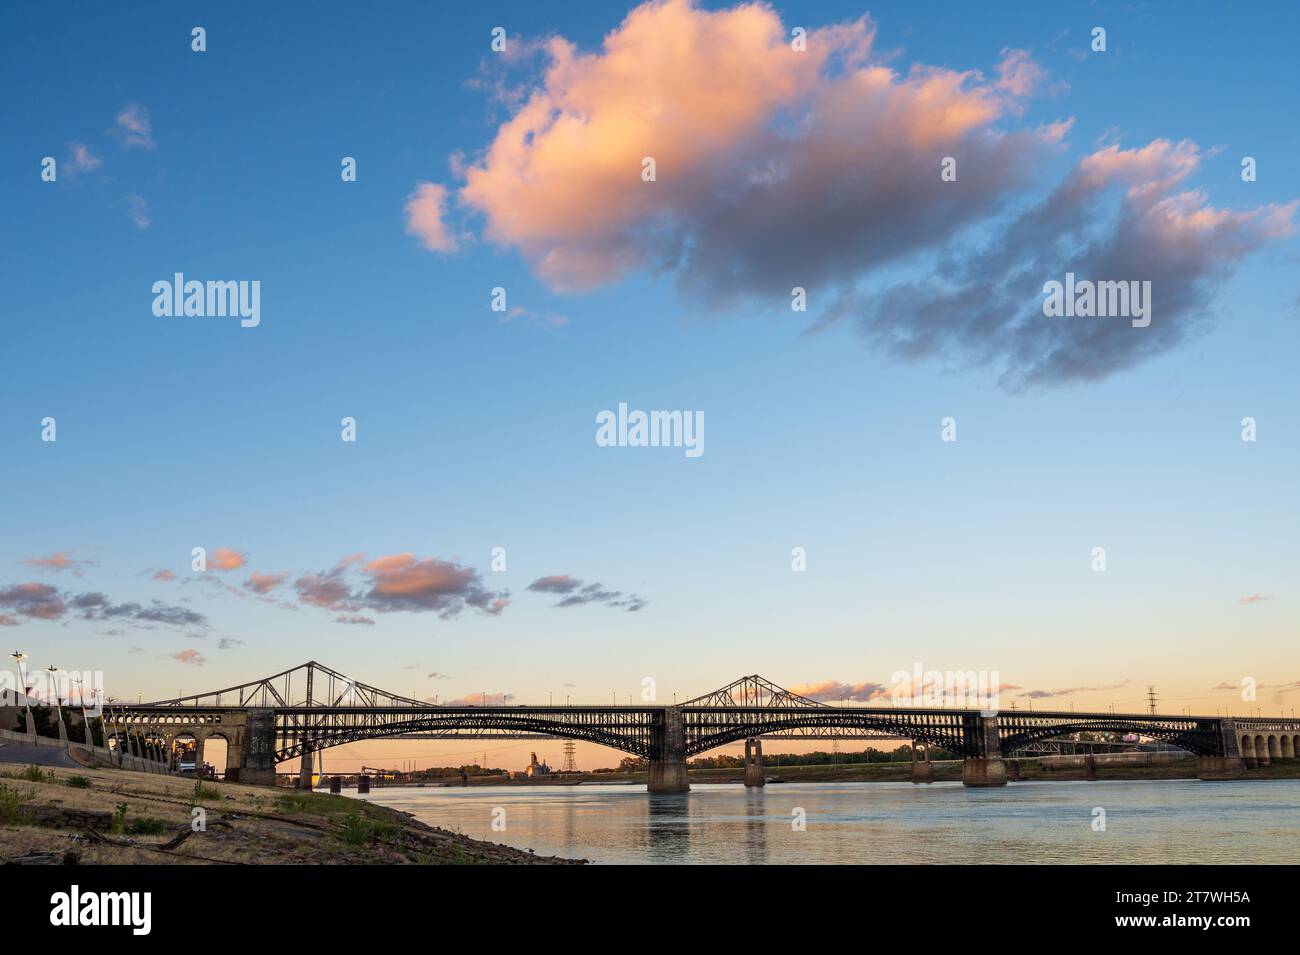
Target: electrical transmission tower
column 1151, row 699
column 570, row 764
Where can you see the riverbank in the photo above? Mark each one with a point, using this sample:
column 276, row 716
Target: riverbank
column 55, row 815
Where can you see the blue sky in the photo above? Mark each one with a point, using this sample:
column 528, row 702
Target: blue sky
column 476, row 432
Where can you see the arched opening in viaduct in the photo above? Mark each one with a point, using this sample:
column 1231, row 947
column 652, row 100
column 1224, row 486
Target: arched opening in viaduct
column 216, row 753
column 184, row 748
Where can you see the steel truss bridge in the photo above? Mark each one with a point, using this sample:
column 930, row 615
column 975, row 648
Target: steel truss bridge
column 311, row 707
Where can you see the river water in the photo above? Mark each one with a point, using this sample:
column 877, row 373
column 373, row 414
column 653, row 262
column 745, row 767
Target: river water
column 1175, row 821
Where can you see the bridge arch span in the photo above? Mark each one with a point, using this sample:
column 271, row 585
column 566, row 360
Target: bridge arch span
column 943, row 733
column 1188, row 738
column 462, row 724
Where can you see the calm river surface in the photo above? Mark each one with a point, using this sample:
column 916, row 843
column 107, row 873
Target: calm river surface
column 1146, row 821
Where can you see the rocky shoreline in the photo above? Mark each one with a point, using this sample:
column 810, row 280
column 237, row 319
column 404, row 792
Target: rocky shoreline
column 53, row 815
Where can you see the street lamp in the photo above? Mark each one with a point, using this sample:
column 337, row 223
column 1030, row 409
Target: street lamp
column 54, row 687
column 19, row 657
column 81, row 699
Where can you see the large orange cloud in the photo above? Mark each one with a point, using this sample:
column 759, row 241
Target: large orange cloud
column 760, row 148
column 778, row 168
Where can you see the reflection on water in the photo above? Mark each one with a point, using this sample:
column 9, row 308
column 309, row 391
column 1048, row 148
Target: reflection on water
column 1146, row 821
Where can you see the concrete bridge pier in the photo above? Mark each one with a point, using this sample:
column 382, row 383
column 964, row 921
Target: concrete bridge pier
column 983, row 771
column 304, row 772
column 922, row 769
column 988, row 768
column 668, row 770
column 1232, row 764
column 257, row 765
column 754, row 763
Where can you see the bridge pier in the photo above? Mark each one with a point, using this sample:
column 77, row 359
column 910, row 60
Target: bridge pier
column 1220, row 767
column 922, row 769
column 304, row 773
column 1232, row 764
column 668, row 776
column 754, row 763
column 668, row 770
column 988, row 768
column 257, row 765
column 980, row 771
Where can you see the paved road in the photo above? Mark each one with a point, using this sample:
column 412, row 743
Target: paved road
column 35, row 755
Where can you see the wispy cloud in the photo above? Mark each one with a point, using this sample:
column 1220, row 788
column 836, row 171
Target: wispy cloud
column 574, row 593
column 138, row 209
column 81, row 159
column 354, row 618
column 1070, row 691
column 133, row 127
column 58, row 562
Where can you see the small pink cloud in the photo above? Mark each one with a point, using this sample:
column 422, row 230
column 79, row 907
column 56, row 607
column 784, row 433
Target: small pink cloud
column 55, row 562
column 1018, row 74
column 324, row 590
column 133, row 126
column 81, row 159
column 191, row 657
column 223, row 558
column 1254, row 599
column 264, row 583
column 164, row 574
column 425, row 212
column 34, row 600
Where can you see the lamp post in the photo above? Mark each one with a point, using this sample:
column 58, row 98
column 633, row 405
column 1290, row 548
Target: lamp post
column 117, row 741
column 85, row 722
column 19, row 657
column 58, row 702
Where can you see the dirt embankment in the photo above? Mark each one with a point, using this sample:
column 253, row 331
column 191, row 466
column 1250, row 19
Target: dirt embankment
column 110, row 816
